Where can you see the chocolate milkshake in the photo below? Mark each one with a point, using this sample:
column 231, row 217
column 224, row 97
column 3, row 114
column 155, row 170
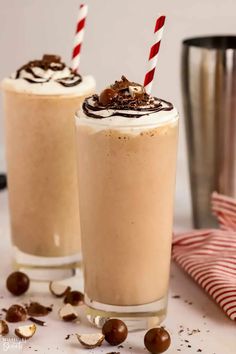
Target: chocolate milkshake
column 126, row 144
column 40, row 100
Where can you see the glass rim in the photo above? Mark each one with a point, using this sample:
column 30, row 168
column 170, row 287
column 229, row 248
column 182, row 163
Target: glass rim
column 106, row 122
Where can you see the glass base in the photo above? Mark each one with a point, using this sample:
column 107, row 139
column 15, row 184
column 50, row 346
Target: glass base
column 47, row 268
column 136, row 317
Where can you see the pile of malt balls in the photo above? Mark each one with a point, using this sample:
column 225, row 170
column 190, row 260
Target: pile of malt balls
column 114, row 331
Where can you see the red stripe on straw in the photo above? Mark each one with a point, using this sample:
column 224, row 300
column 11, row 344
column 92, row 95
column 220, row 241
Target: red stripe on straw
column 160, row 23
column 76, row 50
column 150, row 75
column 154, row 50
column 81, row 25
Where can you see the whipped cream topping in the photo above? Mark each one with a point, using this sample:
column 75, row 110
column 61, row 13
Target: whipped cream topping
column 126, row 107
column 48, row 76
column 55, row 72
column 125, row 99
column 93, row 109
column 49, row 68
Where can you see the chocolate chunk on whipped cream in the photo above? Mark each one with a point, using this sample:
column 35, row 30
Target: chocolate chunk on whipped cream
column 124, row 98
column 49, row 68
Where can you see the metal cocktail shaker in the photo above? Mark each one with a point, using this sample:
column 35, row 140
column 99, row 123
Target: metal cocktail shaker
column 209, row 96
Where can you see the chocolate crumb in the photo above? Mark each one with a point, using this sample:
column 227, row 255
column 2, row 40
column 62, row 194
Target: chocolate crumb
column 189, row 346
column 35, row 309
column 38, row 322
column 199, row 350
column 186, row 341
column 120, row 346
column 176, row 297
column 181, row 331
column 194, row 331
column 67, row 337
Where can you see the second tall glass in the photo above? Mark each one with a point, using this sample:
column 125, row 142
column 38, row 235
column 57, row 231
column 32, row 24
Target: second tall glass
column 40, row 146
column 126, row 181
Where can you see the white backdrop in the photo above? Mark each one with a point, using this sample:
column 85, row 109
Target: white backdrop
column 117, row 40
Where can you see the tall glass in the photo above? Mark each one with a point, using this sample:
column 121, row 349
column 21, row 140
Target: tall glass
column 42, row 181
column 126, row 180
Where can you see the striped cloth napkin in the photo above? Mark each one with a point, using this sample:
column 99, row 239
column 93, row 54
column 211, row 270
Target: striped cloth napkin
column 209, row 255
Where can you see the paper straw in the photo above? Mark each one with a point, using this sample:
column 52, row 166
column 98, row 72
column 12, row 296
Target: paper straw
column 153, row 55
column 79, row 36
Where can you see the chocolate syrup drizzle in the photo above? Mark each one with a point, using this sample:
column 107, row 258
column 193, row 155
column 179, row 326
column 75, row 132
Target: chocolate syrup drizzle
column 48, row 62
column 125, row 99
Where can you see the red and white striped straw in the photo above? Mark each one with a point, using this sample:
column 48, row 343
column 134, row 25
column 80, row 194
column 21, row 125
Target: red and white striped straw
column 153, row 55
column 79, row 36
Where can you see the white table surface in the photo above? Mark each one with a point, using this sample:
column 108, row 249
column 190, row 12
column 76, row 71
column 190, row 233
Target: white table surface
column 192, row 311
